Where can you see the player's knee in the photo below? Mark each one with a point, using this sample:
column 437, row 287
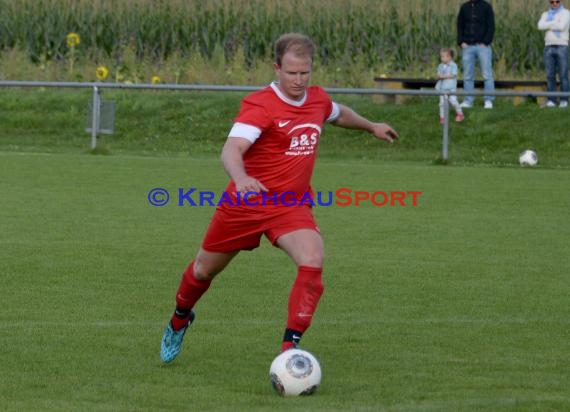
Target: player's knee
column 312, row 258
column 203, row 271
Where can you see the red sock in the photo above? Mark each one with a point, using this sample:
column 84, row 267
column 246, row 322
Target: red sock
column 287, row 345
column 179, row 321
column 304, row 297
column 189, row 292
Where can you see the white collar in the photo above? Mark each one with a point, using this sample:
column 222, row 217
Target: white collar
column 279, row 93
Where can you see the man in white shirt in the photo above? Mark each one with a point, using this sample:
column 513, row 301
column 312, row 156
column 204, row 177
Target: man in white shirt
column 556, row 23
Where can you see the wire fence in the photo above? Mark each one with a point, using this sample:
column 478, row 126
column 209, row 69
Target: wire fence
column 102, row 115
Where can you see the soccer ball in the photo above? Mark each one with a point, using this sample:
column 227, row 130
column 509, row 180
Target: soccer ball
column 528, row 158
column 295, row 372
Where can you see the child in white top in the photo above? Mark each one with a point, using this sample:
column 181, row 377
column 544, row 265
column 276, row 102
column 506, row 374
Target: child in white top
column 447, row 81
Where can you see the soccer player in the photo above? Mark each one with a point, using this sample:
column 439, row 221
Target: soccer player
column 270, row 151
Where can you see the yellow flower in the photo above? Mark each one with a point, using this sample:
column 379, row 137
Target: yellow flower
column 155, row 80
column 73, row 40
column 102, row 72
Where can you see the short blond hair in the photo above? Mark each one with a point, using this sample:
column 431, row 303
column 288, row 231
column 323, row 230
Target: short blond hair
column 297, row 43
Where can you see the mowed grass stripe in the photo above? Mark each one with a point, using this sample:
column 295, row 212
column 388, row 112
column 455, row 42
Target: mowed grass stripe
column 459, row 303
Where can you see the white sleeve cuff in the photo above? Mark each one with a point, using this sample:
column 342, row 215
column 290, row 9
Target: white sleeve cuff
column 246, row 131
column 335, row 112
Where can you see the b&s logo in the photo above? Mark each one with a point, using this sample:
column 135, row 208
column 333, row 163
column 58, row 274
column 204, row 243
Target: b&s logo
column 304, row 138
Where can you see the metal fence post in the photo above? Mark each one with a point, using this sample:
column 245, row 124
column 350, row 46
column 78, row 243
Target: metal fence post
column 445, row 142
column 95, row 116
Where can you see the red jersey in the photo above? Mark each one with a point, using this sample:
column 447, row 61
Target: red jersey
column 285, row 135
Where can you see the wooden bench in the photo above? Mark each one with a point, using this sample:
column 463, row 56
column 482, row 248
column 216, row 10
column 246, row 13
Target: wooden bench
column 418, row 84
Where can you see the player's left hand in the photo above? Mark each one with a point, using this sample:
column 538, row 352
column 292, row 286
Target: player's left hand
column 384, row 131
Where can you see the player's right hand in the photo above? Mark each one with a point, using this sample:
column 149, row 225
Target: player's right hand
column 250, row 184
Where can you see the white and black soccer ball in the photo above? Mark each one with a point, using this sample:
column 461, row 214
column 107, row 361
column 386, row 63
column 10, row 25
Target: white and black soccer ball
column 295, row 372
column 528, row 158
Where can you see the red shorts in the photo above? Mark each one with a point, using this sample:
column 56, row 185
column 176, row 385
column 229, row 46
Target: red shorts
column 237, row 228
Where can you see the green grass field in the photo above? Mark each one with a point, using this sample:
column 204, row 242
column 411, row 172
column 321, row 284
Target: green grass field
column 457, row 304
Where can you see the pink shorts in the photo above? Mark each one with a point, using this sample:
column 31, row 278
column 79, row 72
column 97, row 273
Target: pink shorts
column 236, row 228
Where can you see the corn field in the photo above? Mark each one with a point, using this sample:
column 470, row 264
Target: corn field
column 388, row 36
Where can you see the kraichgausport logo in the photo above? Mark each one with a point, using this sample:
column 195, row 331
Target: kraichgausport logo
column 340, row 197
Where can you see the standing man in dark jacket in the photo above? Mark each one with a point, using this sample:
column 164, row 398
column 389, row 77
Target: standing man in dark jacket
column 475, row 31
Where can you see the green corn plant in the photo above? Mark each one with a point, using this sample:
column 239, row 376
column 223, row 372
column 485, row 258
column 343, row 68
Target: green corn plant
column 399, row 37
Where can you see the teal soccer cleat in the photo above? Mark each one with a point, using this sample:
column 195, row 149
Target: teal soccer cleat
column 172, row 341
